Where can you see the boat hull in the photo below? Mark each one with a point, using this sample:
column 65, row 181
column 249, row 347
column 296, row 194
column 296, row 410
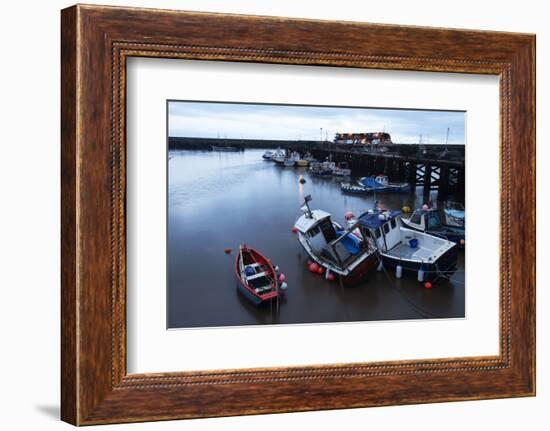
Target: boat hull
column 349, row 278
column 442, row 268
column 356, row 190
column 248, row 294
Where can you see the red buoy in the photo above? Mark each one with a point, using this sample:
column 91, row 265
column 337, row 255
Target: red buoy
column 294, row 229
column 348, row 215
column 428, row 285
column 313, row 267
column 331, row 277
column 321, row 270
column 282, row 278
column 462, row 242
column 227, row 250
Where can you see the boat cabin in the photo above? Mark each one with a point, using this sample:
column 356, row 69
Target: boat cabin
column 330, row 241
column 425, row 220
column 383, row 227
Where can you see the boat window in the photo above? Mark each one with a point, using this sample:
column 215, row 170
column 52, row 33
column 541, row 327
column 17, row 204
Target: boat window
column 415, row 218
column 393, row 223
column 377, row 233
column 433, row 220
column 328, row 230
column 313, row 232
column 386, row 227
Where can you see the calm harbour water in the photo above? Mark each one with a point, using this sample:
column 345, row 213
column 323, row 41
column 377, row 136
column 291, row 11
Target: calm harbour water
column 218, row 200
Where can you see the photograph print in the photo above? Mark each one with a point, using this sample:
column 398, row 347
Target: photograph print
column 299, row 214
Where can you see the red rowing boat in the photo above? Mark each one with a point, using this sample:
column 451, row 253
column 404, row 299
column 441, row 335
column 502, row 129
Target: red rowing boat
column 256, row 277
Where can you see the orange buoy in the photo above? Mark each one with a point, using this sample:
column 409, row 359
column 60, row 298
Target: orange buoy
column 428, row 285
column 227, row 250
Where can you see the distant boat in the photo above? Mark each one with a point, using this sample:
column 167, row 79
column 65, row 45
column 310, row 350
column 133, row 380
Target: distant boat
column 429, row 256
column 225, row 149
column 279, row 157
column 342, row 170
column 433, row 222
column 355, row 189
column 381, row 184
column 305, row 160
column 336, row 249
column 268, row 155
column 291, row 160
column 256, row 277
column 322, row 168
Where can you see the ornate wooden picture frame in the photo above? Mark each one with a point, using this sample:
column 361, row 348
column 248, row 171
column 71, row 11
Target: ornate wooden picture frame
column 96, row 41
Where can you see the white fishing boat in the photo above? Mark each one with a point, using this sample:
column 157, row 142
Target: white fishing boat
column 279, row 157
column 322, row 168
column 338, row 250
column 430, row 257
column 268, row 155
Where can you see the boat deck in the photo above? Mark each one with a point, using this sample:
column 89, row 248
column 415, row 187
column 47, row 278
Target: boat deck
column 404, row 251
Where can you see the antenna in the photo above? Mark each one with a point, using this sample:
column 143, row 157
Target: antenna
column 307, row 199
column 447, row 139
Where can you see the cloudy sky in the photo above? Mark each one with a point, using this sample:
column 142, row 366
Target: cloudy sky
column 252, row 121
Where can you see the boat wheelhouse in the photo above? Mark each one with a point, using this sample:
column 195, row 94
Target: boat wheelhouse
column 432, row 221
column 338, row 250
column 430, row 257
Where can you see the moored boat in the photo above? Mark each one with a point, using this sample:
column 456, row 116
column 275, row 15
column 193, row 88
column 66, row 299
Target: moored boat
column 291, row 160
column 268, row 155
column 355, row 189
column 430, row 257
column 322, row 168
column 256, row 277
column 454, row 213
column 279, row 157
column 339, row 251
column 381, row 184
column 433, row 222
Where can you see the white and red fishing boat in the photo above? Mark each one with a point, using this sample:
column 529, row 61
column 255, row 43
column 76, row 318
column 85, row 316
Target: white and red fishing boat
column 344, row 253
column 257, row 279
